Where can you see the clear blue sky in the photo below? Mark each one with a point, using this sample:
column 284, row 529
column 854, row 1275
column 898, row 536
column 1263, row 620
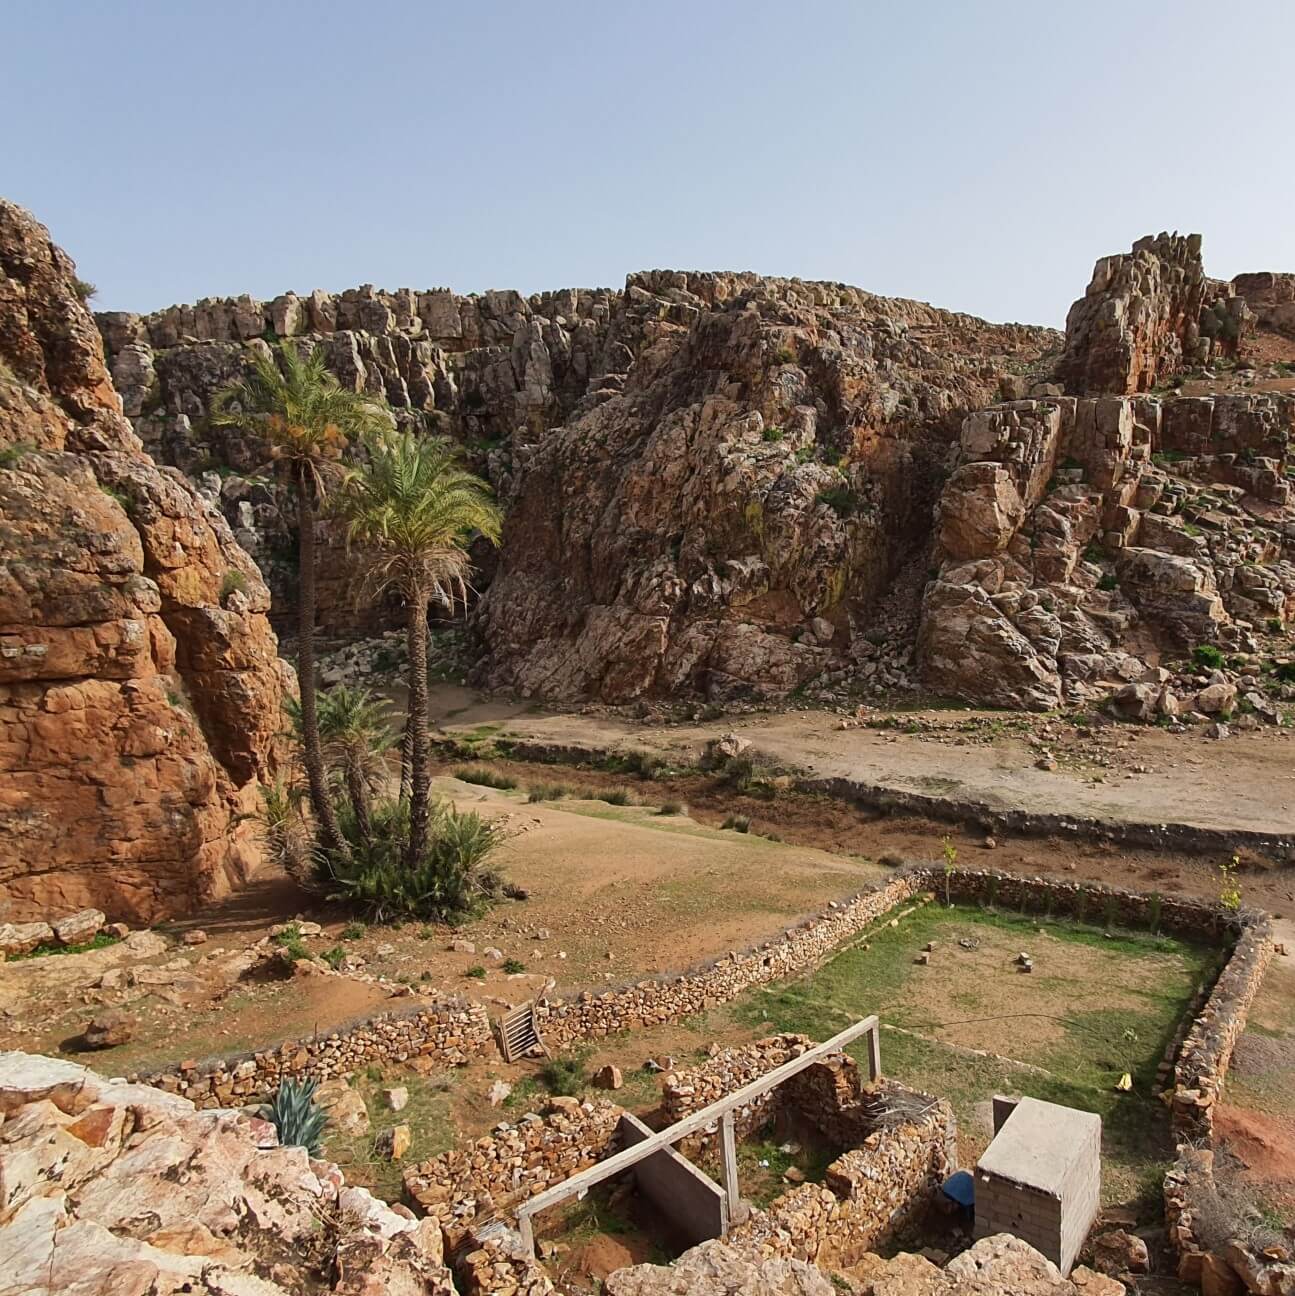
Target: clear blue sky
column 979, row 155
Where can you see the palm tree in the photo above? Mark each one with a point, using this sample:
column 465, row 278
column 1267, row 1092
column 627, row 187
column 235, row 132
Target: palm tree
column 355, row 737
column 410, row 511
column 307, row 418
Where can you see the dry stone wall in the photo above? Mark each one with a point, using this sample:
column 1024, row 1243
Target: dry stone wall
column 494, row 1174
column 446, row 1033
column 593, row 1016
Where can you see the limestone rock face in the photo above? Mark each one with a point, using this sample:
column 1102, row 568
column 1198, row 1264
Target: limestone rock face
column 1079, row 537
column 697, row 466
column 140, row 684
column 1271, row 298
column 1144, row 314
column 111, row 1187
column 713, row 528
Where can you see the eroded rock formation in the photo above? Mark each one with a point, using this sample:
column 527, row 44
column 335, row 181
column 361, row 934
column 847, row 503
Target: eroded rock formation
column 114, row 1188
column 1145, row 314
column 1082, row 537
column 139, row 680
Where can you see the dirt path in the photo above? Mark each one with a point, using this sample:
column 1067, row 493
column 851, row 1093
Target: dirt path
column 1245, row 782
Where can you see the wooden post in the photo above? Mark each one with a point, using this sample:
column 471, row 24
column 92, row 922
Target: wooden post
column 728, row 1163
column 527, row 1230
column 874, row 1053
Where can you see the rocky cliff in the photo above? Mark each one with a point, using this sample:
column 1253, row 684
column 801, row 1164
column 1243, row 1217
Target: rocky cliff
column 121, row 1190
column 706, row 475
column 139, row 680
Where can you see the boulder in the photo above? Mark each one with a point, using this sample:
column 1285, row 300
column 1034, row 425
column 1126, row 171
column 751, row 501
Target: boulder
column 22, row 938
column 1117, row 1252
column 108, row 1029
column 80, row 927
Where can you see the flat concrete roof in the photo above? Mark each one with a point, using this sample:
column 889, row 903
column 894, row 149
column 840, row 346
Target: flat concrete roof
column 1038, row 1143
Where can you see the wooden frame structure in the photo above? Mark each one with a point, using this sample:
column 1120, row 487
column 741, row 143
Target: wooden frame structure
column 519, row 1032
column 720, row 1111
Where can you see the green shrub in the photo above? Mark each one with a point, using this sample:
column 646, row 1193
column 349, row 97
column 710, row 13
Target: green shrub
column 452, row 879
column 547, row 792
column 333, row 957
column 11, row 455
column 670, row 808
column 737, row 822
column 1285, row 672
column 84, row 289
column 620, row 796
column 353, row 931
column 295, row 1115
column 1207, row 657
column 512, row 966
column 840, row 499
column 772, row 433
column 1107, row 581
column 477, row 971
column 484, row 777
column 564, row 1076
column 233, row 581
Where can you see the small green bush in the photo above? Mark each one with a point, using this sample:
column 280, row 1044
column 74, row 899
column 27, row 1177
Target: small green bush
column 233, row 581
column 1207, row 657
column 620, row 796
column 1108, row 582
column 512, row 966
column 1285, row 672
column 840, row 499
column 670, row 808
column 296, row 1116
column 12, row 455
column 564, row 1077
column 484, row 777
column 547, row 792
column 452, row 879
column 353, row 932
column 84, row 289
column 333, row 957
column 737, row 822
column 476, row 971
column 772, row 433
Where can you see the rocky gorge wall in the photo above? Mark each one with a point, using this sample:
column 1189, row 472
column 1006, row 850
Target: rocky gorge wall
column 140, row 685
column 1080, row 539
column 704, row 473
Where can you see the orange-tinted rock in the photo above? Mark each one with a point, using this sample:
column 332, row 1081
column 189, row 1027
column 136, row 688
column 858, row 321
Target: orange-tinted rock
column 138, row 710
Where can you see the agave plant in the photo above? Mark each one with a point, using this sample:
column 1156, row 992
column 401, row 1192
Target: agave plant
column 295, row 1115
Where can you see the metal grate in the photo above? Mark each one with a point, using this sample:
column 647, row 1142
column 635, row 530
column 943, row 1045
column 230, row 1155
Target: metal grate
column 519, row 1033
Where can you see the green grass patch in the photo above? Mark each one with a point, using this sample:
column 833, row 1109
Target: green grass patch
column 483, row 776
column 101, row 941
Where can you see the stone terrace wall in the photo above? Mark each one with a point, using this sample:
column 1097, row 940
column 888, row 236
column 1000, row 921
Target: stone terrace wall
column 1206, row 1052
column 593, row 1016
column 447, row 1032
column 870, row 1193
column 495, row 1173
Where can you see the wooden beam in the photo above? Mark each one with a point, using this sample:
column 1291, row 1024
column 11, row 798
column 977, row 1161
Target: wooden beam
column 699, row 1120
column 728, row 1162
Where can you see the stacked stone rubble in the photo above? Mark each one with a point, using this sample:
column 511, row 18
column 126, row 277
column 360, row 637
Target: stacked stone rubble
column 448, row 1034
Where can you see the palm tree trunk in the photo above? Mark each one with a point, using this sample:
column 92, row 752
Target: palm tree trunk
column 420, row 775
column 407, row 753
column 312, row 752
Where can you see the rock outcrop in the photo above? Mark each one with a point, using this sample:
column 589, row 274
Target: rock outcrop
column 1146, row 313
column 1271, row 299
column 113, row 1189
column 140, row 685
column 719, row 527
column 995, row 1266
column 704, row 472
column 1081, row 538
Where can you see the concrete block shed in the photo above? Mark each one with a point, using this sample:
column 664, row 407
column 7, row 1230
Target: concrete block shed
column 1041, row 1178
